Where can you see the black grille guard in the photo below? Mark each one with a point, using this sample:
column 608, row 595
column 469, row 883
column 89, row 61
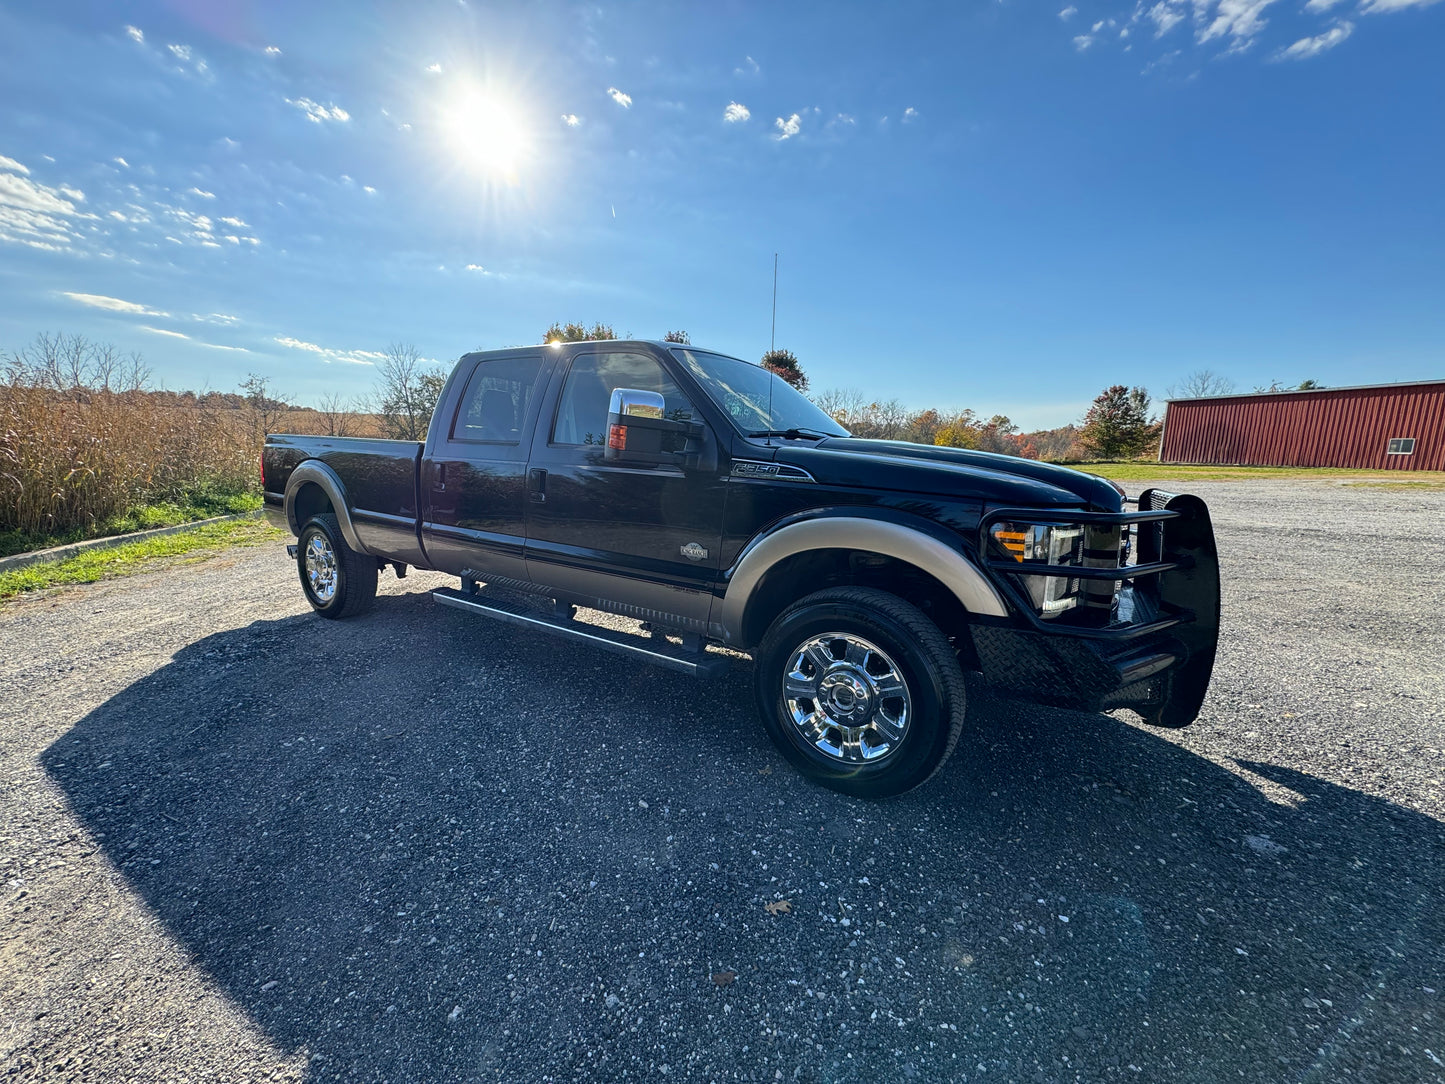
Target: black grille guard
column 1177, row 571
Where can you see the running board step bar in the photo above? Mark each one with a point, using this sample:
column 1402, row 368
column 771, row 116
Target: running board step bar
column 655, row 650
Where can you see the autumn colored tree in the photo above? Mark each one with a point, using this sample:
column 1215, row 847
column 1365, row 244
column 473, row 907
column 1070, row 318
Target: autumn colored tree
column 1118, row 425
column 679, row 337
column 578, row 333
column 785, row 364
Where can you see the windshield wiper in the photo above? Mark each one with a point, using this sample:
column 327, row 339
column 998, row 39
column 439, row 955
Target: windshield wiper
column 799, row 433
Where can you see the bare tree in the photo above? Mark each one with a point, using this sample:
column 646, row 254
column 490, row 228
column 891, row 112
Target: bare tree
column 132, row 373
column 264, row 405
column 844, row 405
column 1200, row 384
column 338, row 415
column 408, row 392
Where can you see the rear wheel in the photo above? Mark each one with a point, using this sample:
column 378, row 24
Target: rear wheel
column 338, row 581
column 860, row 691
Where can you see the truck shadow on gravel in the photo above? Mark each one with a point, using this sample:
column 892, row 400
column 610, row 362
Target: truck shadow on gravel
column 419, row 847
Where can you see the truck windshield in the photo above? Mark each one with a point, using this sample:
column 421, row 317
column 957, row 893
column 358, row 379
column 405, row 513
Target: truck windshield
column 757, row 401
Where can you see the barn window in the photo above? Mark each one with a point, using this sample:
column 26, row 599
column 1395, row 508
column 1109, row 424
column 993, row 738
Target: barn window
column 1401, row 446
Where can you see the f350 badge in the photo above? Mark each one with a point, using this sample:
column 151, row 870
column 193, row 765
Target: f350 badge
column 693, row 552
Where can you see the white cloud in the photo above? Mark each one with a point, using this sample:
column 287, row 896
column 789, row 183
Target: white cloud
column 236, row 222
column 1380, row 7
column 1318, row 7
column 34, row 214
column 1083, row 41
column 112, row 304
column 434, row 69
column 1168, row 58
column 317, row 113
column 1097, row 27
column 476, row 267
column 624, row 100
column 1308, row 47
column 189, row 60
column 910, row 115
column 202, row 193
column 1166, row 16
column 271, row 50
column 1240, row 19
column 749, row 66
column 1068, row 13
column 194, row 342
column 346, row 357
column 118, row 160
column 571, row 120
column 135, row 35
column 736, row 113
column 787, row 128
column 217, row 318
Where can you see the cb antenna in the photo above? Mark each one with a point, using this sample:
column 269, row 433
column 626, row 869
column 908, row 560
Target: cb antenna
column 773, row 336
column 772, row 342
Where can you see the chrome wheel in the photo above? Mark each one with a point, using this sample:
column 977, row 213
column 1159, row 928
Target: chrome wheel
column 846, row 698
column 321, row 567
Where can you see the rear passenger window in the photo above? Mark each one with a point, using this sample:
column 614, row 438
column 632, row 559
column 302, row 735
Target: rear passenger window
column 582, row 411
column 494, row 407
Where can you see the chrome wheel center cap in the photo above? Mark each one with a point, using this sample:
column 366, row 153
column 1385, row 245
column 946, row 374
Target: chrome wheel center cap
column 847, row 694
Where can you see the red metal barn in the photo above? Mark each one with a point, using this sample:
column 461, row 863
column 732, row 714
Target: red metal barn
column 1380, row 426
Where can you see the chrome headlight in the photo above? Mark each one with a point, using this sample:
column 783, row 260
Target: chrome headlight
column 1037, row 544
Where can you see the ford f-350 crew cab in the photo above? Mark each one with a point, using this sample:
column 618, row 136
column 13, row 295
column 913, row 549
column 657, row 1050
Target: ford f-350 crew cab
column 705, row 497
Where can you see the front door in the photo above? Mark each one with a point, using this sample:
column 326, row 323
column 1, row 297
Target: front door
column 638, row 540
column 474, row 483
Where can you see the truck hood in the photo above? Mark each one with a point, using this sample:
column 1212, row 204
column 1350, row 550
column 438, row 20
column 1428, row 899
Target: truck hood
column 953, row 472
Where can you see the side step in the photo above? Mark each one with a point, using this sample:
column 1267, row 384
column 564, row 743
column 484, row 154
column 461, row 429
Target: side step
column 658, row 651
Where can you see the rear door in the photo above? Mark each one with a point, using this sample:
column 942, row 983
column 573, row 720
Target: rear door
column 637, row 540
column 474, row 482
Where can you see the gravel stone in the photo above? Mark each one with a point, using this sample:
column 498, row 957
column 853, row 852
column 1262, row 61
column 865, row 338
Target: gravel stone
column 239, row 842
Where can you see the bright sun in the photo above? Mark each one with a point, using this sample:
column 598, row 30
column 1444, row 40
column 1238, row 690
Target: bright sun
column 485, row 133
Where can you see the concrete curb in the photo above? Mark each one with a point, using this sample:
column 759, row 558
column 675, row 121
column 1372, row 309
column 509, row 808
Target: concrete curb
column 62, row 553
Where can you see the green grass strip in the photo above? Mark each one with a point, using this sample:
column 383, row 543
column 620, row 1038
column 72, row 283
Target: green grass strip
column 144, row 518
column 1135, row 471
column 133, row 557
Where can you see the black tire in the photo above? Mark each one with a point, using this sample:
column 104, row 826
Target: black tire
column 352, row 588
column 931, row 704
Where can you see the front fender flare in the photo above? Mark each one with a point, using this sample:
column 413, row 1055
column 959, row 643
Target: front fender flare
column 945, row 564
column 315, row 472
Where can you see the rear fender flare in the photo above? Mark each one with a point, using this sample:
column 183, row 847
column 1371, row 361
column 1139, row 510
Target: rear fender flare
column 315, row 472
column 908, row 544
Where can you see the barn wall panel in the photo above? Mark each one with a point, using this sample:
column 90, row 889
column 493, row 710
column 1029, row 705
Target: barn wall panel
column 1345, row 427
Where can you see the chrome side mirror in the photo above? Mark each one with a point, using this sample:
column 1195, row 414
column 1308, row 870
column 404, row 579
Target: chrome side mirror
column 635, row 403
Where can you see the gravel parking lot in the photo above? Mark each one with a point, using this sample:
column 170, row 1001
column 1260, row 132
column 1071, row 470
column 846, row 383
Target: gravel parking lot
column 239, row 842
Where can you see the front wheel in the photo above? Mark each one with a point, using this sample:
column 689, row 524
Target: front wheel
column 860, row 691
column 338, row 581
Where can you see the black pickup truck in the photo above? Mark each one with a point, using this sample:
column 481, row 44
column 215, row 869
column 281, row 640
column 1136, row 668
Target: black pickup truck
column 709, row 500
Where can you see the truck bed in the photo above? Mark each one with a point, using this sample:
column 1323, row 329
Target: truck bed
column 379, row 478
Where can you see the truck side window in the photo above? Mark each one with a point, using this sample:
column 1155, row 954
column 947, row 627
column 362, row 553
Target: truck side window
column 495, row 403
column 582, row 411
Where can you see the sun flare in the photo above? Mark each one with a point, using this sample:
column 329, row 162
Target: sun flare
column 486, row 133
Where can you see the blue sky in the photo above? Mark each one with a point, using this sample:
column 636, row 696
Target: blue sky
column 1005, row 206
